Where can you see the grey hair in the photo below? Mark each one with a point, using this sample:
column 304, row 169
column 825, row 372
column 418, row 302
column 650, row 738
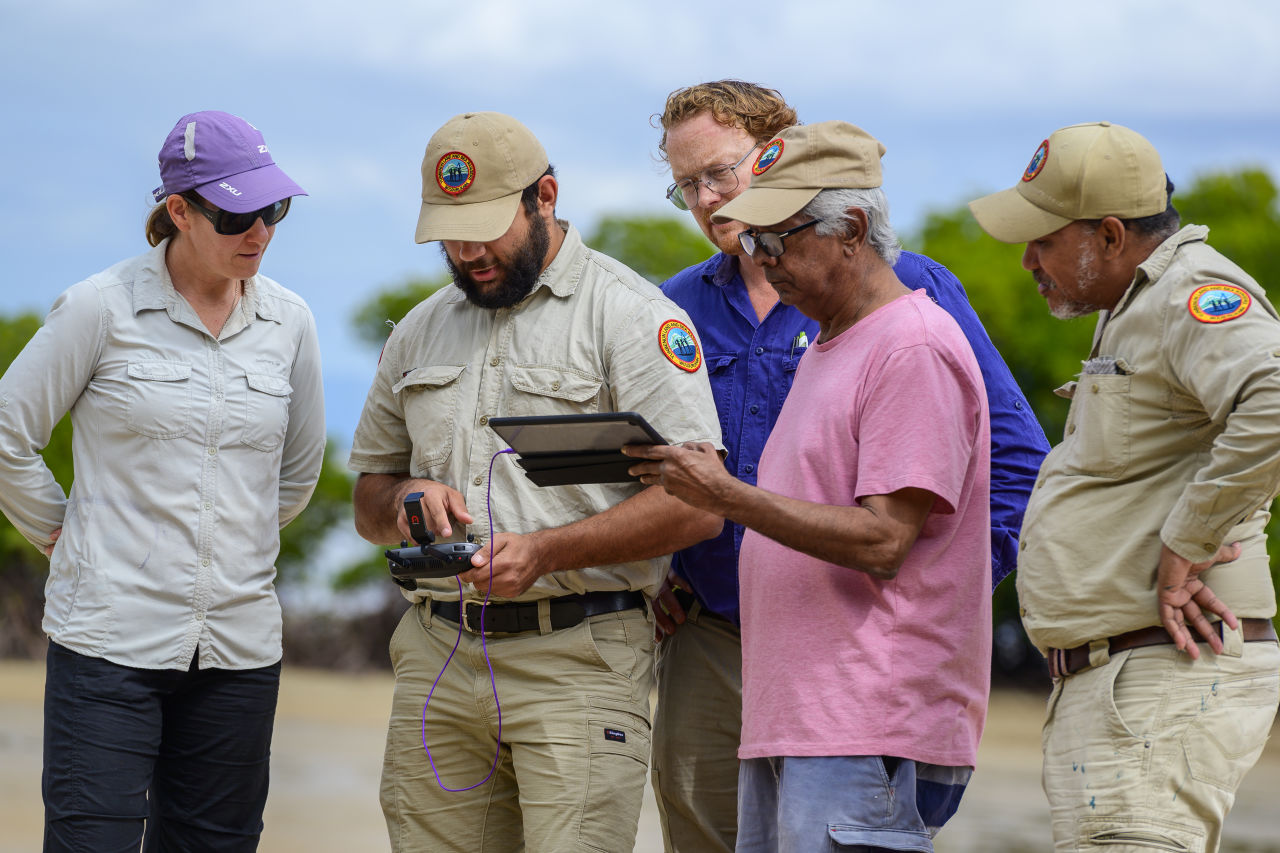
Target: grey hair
column 832, row 206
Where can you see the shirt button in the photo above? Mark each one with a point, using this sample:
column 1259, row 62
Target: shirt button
column 1017, row 404
column 478, row 480
column 1208, row 546
column 204, row 563
column 1071, row 429
column 207, row 506
column 493, row 362
column 755, row 409
column 213, row 451
column 555, row 386
column 1022, row 546
column 1094, row 388
column 759, row 350
column 748, row 468
column 484, row 419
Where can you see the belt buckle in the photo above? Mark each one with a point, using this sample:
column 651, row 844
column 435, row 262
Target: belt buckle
column 466, row 622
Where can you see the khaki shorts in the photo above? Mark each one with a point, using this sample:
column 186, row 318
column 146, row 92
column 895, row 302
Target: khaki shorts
column 1146, row 751
column 575, row 737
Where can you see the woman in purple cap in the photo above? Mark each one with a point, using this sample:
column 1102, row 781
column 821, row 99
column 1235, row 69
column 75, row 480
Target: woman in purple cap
column 194, row 390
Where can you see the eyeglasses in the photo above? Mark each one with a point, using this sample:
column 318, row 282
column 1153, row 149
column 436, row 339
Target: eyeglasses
column 770, row 242
column 721, row 180
column 230, row 224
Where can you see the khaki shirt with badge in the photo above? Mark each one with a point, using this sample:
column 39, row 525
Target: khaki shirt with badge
column 586, row 340
column 1173, row 437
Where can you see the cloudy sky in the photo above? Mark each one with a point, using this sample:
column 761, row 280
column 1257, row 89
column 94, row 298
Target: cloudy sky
column 347, row 94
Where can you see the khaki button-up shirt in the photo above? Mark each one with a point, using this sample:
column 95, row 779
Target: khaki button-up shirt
column 585, row 340
column 190, row 454
column 1173, row 437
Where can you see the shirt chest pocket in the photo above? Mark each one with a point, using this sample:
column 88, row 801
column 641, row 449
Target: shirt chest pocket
column 159, row 398
column 720, row 372
column 1098, row 431
column 543, row 390
column 266, row 411
column 429, row 398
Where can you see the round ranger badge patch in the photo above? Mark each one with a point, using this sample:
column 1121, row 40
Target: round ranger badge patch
column 1218, row 303
column 1037, row 161
column 679, row 345
column 768, row 157
column 455, row 172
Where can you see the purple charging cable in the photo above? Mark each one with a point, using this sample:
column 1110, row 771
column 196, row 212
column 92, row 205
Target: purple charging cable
column 497, row 753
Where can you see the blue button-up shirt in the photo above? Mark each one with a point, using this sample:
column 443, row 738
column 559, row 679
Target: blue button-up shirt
column 752, row 362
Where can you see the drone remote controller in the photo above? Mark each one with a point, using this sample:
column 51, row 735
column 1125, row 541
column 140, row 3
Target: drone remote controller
column 426, row 559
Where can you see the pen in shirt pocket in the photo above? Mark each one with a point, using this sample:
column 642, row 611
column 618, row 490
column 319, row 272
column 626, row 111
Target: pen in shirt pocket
column 799, row 342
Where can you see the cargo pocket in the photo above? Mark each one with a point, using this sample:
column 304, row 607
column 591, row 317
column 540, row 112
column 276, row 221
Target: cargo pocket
column 266, row 414
column 159, row 398
column 429, row 399
column 1139, row 834
column 547, row 390
column 618, row 758
column 1221, row 747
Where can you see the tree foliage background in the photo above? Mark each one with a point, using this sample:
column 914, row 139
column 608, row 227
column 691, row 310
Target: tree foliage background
column 1240, row 207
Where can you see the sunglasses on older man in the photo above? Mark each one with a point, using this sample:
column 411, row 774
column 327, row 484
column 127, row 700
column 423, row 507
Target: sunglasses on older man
column 770, row 242
column 227, row 223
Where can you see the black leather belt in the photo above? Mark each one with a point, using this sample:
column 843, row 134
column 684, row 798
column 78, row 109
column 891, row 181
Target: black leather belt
column 1063, row 662
column 517, row 616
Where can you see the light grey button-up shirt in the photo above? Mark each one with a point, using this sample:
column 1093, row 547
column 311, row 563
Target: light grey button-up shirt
column 190, row 453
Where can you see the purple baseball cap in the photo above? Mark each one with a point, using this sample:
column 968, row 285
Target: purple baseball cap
column 224, row 159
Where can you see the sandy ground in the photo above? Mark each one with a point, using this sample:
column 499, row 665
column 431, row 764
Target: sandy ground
column 328, row 748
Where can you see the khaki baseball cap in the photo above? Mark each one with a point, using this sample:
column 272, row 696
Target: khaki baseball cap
column 474, row 170
column 801, row 162
column 1085, row 171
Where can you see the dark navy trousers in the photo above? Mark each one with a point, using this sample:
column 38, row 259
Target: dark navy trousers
column 180, row 757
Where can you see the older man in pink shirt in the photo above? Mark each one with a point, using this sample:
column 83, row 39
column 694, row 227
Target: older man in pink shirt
column 866, row 614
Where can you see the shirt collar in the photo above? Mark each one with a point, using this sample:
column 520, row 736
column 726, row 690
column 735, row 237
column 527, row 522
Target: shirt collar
column 1157, row 263
column 721, row 270
column 562, row 275
column 153, row 288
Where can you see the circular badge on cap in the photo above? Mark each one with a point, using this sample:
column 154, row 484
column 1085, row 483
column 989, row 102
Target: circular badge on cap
column 679, row 345
column 1218, row 303
column 1037, row 161
column 768, row 157
column 455, row 172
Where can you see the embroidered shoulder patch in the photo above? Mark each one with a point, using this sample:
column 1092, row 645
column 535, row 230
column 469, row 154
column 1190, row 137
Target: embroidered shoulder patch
column 1218, row 303
column 1037, row 161
column 768, row 157
column 679, row 345
column 455, row 172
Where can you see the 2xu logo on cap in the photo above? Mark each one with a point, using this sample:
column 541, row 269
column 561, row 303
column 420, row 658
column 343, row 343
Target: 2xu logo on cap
column 455, row 172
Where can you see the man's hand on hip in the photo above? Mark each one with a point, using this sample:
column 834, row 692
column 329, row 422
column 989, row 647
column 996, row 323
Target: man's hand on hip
column 1184, row 599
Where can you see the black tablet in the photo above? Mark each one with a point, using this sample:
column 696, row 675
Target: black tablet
column 560, row 450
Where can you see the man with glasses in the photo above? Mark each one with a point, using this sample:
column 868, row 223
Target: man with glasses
column 865, row 605
column 715, row 137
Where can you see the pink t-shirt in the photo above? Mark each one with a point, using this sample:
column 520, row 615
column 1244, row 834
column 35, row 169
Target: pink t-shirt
column 835, row 662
